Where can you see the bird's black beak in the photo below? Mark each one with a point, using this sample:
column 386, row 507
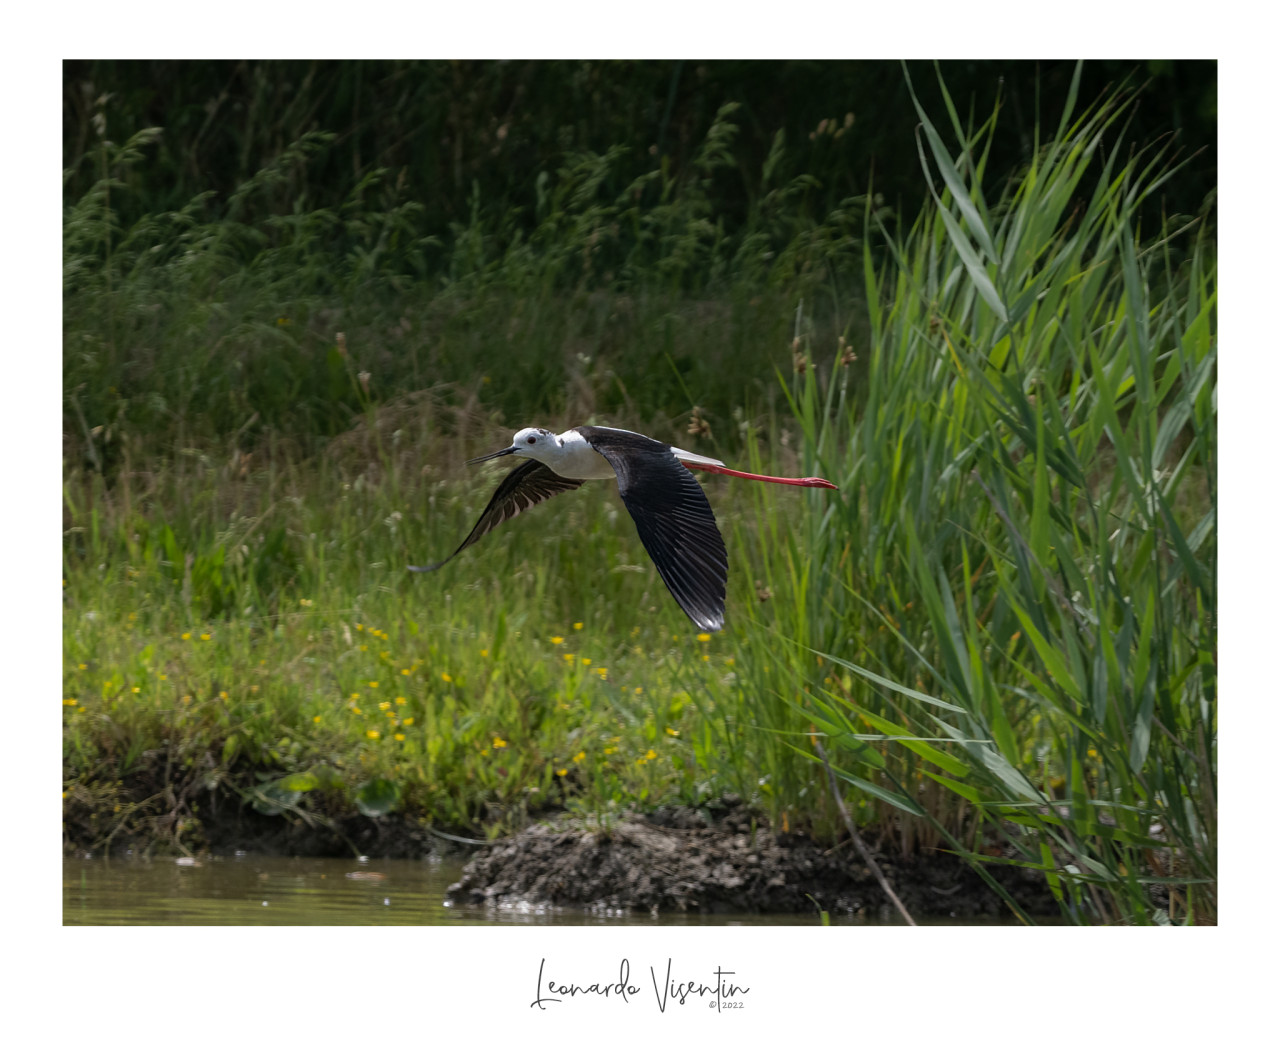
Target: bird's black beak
column 496, row 454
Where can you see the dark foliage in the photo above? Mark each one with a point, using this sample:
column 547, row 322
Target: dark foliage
column 462, row 130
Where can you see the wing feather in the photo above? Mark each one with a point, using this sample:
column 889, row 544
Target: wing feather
column 523, row 488
column 672, row 517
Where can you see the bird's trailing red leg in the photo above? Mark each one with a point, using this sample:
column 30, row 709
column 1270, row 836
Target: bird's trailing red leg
column 802, row 482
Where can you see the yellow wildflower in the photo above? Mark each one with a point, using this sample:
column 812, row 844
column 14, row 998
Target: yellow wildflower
column 186, row 636
column 408, row 722
column 651, row 756
column 384, row 705
column 405, row 672
column 304, row 602
column 205, row 636
column 446, row 678
column 577, row 625
column 399, row 736
column 400, row 700
column 586, row 662
column 562, row 772
column 373, row 684
column 136, row 689
column 498, row 743
column 704, row 637
column 602, row 671
column 315, row 719
column 673, row 733
column 579, row 757
column 557, row 640
column 373, row 733
column 484, row 653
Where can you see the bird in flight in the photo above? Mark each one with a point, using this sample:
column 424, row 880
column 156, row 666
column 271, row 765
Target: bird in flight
column 671, row 513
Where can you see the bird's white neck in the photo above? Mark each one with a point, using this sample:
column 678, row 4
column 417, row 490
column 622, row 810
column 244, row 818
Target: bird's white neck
column 571, row 456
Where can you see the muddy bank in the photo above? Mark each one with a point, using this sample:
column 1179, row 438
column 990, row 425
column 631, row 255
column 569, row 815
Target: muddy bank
column 721, row 858
column 700, row 860
column 227, row 823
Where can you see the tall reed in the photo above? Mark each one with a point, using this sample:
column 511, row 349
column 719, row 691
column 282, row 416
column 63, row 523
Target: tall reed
column 1006, row 624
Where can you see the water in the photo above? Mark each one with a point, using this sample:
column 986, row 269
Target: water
column 255, row 889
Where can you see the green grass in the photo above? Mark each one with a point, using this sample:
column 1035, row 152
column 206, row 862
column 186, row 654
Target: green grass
column 1003, row 624
column 269, row 625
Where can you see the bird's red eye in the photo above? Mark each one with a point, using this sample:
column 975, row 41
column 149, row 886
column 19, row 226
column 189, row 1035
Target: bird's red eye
column 531, row 440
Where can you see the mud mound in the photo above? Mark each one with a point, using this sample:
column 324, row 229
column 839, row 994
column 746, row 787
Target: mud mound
column 688, row 860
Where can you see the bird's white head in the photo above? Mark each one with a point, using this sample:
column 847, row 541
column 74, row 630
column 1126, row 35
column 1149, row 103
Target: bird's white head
column 531, row 442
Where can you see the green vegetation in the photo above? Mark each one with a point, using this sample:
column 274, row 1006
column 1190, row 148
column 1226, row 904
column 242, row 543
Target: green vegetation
column 1004, row 623
column 1021, row 579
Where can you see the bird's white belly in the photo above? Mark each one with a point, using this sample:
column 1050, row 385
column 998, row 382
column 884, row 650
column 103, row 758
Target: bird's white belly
column 578, row 460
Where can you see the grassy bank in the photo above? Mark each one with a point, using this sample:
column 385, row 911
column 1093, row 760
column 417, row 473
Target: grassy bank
column 1003, row 624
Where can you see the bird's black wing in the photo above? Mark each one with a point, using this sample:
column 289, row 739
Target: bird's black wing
column 523, row 488
column 673, row 518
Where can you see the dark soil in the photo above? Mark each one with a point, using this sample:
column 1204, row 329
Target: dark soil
column 721, row 858
column 226, row 824
column 701, row 860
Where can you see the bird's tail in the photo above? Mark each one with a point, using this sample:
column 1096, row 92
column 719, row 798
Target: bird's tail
column 690, row 459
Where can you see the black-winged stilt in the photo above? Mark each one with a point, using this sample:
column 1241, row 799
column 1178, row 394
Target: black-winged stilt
column 672, row 514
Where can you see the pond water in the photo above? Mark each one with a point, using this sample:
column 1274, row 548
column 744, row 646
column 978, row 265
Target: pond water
column 255, row 889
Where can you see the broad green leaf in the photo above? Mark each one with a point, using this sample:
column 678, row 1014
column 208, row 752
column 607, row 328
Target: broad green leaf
column 300, row 781
column 377, row 797
column 272, row 798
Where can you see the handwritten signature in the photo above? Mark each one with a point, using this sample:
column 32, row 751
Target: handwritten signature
column 722, row 992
